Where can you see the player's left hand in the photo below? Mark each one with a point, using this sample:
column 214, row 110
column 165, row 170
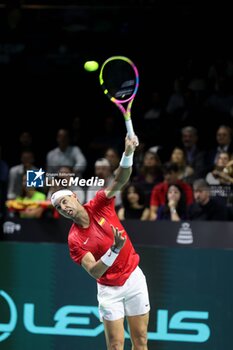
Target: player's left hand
column 119, row 240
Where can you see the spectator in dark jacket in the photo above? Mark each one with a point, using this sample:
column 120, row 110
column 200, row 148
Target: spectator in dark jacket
column 205, row 208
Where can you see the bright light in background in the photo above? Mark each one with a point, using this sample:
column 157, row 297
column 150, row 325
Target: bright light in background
column 91, row 66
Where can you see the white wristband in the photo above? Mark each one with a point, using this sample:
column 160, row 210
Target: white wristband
column 126, row 161
column 109, row 257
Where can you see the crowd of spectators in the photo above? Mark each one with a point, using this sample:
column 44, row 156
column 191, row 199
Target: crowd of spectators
column 183, row 165
column 192, row 184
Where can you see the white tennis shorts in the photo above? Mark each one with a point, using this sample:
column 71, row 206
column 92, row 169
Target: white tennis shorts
column 131, row 299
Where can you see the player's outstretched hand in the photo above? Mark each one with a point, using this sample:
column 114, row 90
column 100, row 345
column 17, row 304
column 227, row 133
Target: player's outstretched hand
column 119, row 240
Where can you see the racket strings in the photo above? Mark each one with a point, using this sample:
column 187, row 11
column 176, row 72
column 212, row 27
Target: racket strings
column 119, row 79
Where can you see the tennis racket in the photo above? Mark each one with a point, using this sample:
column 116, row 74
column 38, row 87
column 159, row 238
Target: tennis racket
column 119, row 79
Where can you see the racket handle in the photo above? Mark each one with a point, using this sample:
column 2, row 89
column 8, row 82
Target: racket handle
column 129, row 127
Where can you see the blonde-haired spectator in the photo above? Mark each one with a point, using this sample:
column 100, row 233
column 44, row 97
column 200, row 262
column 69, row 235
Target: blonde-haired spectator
column 216, row 176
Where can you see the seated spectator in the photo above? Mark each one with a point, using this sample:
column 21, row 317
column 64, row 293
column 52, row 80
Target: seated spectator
column 219, row 179
column 195, row 157
column 65, row 155
column 224, row 143
column 139, row 154
column 204, row 207
column 102, row 171
column 226, row 188
column 133, row 203
column 216, row 176
column 149, row 174
column 175, row 208
column 228, row 170
column 113, row 156
column 224, row 191
column 17, row 172
column 30, row 204
column 185, row 171
column 159, row 191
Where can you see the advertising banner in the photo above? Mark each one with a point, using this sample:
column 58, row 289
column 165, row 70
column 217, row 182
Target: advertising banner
column 48, row 302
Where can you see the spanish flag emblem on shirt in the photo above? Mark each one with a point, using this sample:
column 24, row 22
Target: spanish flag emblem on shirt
column 101, row 221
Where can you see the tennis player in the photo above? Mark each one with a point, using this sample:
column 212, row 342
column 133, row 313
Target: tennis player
column 99, row 243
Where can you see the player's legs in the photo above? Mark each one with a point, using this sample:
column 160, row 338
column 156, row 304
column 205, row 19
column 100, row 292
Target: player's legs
column 111, row 310
column 138, row 331
column 137, row 306
column 131, row 300
column 114, row 334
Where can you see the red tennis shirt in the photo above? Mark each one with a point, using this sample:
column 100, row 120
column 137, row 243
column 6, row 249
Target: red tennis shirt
column 98, row 238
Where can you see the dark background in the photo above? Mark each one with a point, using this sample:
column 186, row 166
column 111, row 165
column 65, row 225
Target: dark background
column 44, row 44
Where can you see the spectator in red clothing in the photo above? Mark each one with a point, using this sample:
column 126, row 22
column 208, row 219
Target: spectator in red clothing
column 159, row 191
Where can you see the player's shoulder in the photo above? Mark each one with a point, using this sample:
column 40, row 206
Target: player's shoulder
column 100, row 199
column 101, row 193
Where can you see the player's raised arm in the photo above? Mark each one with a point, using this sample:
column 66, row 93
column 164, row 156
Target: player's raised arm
column 124, row 170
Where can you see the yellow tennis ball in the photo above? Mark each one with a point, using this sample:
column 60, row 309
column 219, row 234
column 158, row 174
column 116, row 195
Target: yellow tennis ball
column 91, row 66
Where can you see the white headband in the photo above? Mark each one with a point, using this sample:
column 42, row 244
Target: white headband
column 59, row 194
